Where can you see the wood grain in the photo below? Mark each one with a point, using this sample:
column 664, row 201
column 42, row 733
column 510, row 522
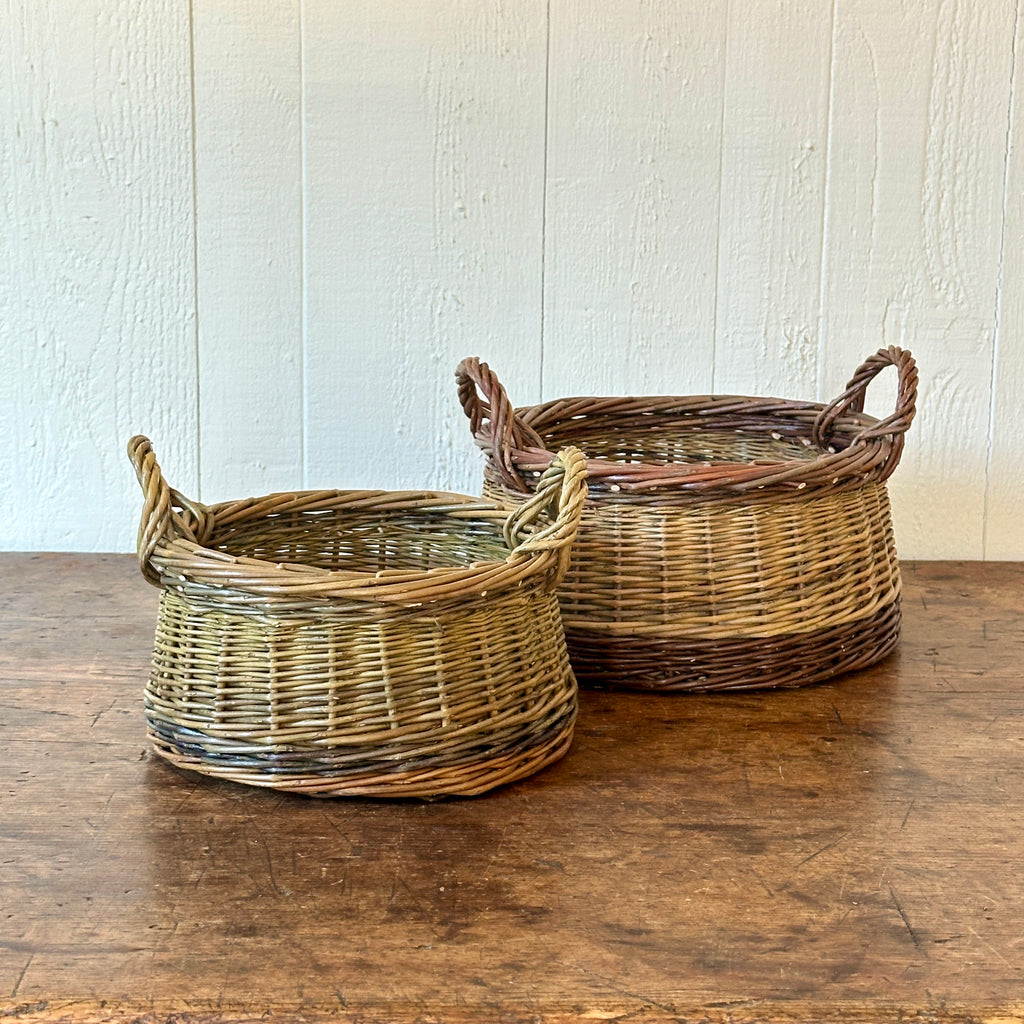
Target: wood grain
column 775, row 149
column 424, row 226
column 918, row 161
column 266, row 237
column 632, row 198
column 847, row 852
column 97, row 300
column 249, row 264
column 1004, row 524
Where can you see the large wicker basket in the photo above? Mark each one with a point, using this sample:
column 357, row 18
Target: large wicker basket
column 376, row 643
column 728, row 542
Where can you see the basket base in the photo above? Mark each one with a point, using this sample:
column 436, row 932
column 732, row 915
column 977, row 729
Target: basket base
column 426, row 781
column 744, row 663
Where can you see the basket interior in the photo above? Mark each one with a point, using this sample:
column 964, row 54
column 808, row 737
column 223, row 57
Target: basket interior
column 360, row 541
column 661, row 442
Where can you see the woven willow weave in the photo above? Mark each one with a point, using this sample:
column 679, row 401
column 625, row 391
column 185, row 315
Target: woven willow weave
column 727, row 542
column 373, row 643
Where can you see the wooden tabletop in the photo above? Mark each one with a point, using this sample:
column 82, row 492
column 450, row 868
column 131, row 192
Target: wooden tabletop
column 847, row 852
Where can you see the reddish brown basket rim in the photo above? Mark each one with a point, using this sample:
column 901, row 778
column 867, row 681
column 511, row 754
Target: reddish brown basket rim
column 852, row 446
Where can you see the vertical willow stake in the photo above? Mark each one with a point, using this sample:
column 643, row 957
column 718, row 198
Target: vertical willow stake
column 728, row 542
column 360, row 643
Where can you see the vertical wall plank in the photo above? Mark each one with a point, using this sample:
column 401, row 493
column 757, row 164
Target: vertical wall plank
column 1004, row 518
column 775, row 134
column 424, row 216
column 249, row 245
column 603, row 197
column 96, row 291
column 632, row 196
column 918, row 151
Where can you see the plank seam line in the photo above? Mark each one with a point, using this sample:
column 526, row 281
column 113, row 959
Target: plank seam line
column 197, row 348
column 723, row 92
column 1011, row 108
column 303, row 241
column 544, row 197
column 826, row 220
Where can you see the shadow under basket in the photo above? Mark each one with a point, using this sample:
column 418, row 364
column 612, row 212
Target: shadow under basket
column 360, row 643
column 727, row 542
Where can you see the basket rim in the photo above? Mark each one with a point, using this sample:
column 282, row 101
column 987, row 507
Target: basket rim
column 351, row 500
column 174, row 533
column 696, row 411
column 852, row 445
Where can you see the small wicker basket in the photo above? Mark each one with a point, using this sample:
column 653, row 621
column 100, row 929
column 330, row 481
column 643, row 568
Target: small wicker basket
column 403, row 644
column 728, row 542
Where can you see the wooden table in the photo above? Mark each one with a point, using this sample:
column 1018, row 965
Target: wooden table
column 848, row 852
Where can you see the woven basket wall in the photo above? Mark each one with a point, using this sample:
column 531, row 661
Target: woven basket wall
column 373, row 643
column 727, row 542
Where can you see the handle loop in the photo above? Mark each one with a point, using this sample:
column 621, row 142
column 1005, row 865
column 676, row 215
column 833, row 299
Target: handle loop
column 561, row 491
column 507, row 432
column 852, row 400
column 167, row 515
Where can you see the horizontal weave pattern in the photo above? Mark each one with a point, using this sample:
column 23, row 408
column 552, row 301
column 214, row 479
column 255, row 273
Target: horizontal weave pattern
column 360, row 643
column 727, row 542
column 744, row 663
column 722, row 571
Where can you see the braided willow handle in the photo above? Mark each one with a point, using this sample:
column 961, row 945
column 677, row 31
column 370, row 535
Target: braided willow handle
column 562, row 490
column 505, row 432
column 167, row 515
column 852, row 400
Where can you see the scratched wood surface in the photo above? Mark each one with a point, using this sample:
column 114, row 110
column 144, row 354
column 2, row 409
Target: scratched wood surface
column 849, row 852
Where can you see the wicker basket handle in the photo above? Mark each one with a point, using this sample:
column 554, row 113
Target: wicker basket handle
column 483, row 397
column 167, row 515
column 852, row 400
column 561, row 491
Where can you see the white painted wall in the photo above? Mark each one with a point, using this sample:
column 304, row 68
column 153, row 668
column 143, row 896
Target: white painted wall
column 265, row 234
